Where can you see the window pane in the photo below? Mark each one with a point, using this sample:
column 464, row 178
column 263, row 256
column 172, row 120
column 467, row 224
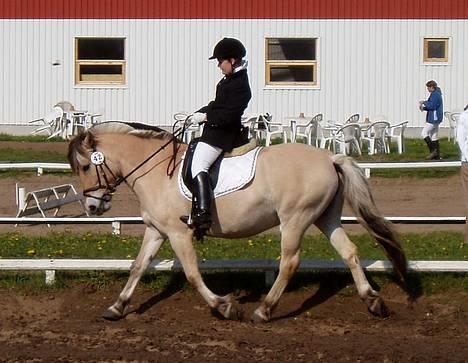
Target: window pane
column 291, row 49
column 101, row 69
column 436, row 49
column 101, row 48
column 291, row 74
column 101, row 73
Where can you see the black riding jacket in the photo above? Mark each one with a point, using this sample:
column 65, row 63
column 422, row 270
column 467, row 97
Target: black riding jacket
column 224, row 113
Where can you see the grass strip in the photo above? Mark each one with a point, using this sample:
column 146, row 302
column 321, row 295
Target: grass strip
column 418, row 246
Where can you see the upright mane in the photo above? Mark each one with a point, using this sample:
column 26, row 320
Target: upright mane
column 89, row 139
column 133, row 128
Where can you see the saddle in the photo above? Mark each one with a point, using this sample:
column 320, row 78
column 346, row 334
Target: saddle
column 245, row 146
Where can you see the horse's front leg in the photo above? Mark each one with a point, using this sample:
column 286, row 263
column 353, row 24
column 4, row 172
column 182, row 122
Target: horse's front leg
column 290, row 260
column 152, row 242
column 183, row 247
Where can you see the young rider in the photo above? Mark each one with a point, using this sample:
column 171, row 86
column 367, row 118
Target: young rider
column 223, row 123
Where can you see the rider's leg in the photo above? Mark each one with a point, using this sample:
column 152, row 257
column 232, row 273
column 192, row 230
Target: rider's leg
column 203, row 195
column 426, row 134
column 203, row 157
column 430, row 135
column 435, row 142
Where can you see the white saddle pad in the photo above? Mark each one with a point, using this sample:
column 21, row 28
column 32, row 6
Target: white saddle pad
column 234, row 173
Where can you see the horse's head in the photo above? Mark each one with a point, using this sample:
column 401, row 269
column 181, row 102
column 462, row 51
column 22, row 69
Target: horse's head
column 98, row 179
column 93, row 155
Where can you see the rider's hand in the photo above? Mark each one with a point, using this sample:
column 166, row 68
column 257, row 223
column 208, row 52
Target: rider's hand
column 199, row 117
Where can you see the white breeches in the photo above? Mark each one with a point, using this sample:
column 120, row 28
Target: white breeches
column 203, row 157
column 430, row 130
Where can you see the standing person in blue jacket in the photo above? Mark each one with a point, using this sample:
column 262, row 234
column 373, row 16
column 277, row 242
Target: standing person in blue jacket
column 435, row 113
column 223, row 126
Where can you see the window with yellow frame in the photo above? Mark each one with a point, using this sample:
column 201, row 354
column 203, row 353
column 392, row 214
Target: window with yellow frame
column 100, row 61
column 436, row 50
column 291, row 61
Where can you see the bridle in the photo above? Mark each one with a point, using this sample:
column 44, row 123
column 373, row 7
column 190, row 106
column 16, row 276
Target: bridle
column 102, row 169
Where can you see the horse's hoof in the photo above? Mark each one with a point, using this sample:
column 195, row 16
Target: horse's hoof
column 258, row 317
column 112, row 314
column 230, row 311
column 377, row 307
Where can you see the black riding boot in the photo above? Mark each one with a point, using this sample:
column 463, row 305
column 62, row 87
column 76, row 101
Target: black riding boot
column 203, row 194
column 430, row 145
column 436, row 151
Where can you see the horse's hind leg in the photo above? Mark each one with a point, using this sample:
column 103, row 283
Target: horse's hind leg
column 182, row 245
column 152, row 242
column 290, row 242
column 330, row 224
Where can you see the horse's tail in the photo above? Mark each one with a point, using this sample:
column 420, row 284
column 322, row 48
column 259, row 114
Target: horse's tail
column 359, row 196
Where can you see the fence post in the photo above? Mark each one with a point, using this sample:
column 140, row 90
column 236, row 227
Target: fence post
column 50, row 277
column 20, row 194
column 115, row 227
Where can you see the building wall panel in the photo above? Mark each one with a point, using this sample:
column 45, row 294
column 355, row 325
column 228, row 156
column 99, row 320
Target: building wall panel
column 366, row 66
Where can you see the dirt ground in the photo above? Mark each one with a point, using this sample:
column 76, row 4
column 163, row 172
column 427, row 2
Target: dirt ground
column 310, row 325
column 314, row 323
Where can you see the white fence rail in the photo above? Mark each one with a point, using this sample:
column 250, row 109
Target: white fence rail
column 366, row 166
column 269, row 267
column 39, row 166
column 117, row 222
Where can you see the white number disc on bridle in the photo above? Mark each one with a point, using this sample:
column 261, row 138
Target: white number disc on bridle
column 97, row 158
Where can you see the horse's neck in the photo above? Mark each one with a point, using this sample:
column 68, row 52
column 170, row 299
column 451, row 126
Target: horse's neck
column 131, row 151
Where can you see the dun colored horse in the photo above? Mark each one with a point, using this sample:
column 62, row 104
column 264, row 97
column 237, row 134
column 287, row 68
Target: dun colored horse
column 294, row 187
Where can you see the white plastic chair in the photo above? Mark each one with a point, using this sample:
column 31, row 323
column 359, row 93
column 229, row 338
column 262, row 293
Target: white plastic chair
column 251, row 121
column 310, row 130
column 453, row 122
column 264, row 125
column 353, row 119
column 376, row 136
column 66, row 106
column 53, row 123
column 93, row 119
column 397, row 133
column 325, row 133
column 348, row 137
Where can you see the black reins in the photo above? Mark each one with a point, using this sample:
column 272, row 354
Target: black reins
column 119, row 180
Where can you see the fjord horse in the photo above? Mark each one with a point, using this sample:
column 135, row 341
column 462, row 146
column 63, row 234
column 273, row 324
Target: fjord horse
column 294, row 187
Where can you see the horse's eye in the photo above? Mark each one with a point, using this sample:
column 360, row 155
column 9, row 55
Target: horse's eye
column 86, row 167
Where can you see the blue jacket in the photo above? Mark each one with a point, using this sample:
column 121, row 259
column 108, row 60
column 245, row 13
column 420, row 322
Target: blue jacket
column 434, row 107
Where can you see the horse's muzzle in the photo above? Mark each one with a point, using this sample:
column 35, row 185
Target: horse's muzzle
column 98, row 202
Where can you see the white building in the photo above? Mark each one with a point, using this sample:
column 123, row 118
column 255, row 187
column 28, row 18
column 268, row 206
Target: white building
column 144, row 60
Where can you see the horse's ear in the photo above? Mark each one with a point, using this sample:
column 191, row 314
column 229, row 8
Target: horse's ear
column 89, row 141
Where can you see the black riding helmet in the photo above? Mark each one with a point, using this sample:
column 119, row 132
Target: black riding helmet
column 228, row 48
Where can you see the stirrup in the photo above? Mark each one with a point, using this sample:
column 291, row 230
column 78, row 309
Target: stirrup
column 187, row 220
column 202, row 220
column 198, row 231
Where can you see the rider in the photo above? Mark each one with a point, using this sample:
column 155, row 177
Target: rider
column 223, row 123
